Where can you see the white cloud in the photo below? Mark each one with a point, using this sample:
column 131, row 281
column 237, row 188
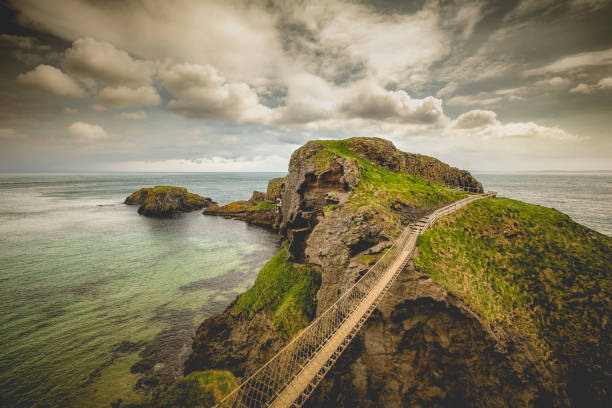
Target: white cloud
column 93, row 60
column 86, row 132
column 70, row 111
column 553, row 82
column 475, row 119
column 186, row 30
column 483, row 124
column 125, row 97
column 138, row 115
column 526, row 130
column 575, row 62
column 603, row 84
column 200, row 92
column 52, row 80
column 480, row 99
column 395, row 106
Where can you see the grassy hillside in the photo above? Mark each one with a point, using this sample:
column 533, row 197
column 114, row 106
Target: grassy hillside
column 533, row 270
column 380, row 191
column 285, row 292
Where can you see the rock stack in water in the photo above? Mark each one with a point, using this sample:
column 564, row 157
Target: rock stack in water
column 163, row 201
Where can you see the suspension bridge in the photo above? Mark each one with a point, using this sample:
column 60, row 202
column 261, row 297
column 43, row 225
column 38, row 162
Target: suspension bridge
column 288, row 378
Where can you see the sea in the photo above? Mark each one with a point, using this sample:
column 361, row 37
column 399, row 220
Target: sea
column 94, row 296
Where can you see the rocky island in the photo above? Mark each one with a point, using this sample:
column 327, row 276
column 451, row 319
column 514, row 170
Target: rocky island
column 260, row 209
column 163, row 201
column 504, row 304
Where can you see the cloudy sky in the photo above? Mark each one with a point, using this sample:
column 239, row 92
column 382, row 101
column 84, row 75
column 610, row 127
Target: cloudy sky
column 192, row 85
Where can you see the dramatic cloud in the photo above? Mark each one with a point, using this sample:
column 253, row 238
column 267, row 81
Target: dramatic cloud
column 247, row 79
column 125, row 97
column 201, row 92
column 93, row 60
column 396, row 106
column 138, row 115
column 86, row 132
column 50, row 79
column 603, row 84
column 475, row 119
column 575, row 62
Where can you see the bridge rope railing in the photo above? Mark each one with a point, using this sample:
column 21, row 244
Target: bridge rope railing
column 263, row 387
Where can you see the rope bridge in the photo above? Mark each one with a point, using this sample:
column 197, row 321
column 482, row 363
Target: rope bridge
column 288, row 378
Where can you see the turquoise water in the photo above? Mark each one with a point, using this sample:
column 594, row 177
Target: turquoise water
column 94, row 298
column 93, row 295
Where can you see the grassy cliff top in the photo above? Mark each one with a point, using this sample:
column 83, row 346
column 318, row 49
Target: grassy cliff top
column 533, row 270
column 381, row 192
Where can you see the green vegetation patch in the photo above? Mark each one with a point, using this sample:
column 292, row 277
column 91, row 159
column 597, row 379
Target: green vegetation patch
column 167, row 189
column 531, row 269
column 274, row 188
column 285, row 291
column 200, row 389
column 381, row 190
column 262, row 206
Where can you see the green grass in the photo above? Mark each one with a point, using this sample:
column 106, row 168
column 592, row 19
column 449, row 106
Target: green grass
column 163, row 189
column 285, row 292
column 274, row 187
column 380, row 190
column 200, row 389
column 531, row 269
column 262, row 206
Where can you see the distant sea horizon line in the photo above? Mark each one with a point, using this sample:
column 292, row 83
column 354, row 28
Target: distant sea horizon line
column 284, row 171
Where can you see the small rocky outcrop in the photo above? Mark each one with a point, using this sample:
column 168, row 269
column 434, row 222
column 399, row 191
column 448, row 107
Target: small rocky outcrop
column 163, row 201
column 261, row 209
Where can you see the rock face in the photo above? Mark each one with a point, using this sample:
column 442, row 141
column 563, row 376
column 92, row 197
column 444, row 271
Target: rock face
column 423, row 347
column 382, row 153
column 261, row 209
column 163, row 201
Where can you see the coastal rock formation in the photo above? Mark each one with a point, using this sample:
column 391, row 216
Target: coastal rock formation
column 382, row 153
column 489, row 316
column 163, row 201
column 260, row 209
column 424, row 347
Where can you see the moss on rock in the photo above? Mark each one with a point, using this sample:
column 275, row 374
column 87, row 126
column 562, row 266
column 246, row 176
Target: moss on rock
column 285, row 292
column 200, row 389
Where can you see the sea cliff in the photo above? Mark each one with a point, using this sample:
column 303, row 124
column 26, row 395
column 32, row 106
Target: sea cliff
column 505, row 303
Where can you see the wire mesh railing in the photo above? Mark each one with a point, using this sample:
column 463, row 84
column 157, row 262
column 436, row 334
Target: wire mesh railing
column 266, row 385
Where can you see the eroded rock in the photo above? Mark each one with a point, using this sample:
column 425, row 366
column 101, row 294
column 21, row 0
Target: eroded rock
column 163, row 201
